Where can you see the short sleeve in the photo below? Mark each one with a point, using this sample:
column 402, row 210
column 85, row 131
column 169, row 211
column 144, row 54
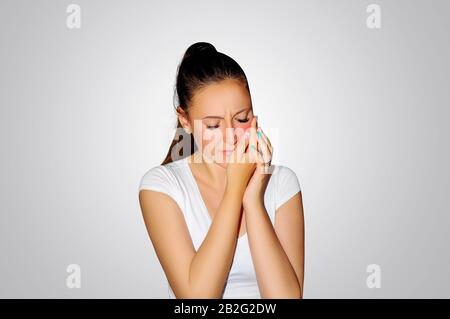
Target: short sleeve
column 161, row 179
column 287, row 185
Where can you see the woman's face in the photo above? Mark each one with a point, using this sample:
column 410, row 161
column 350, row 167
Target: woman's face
column 219, row 114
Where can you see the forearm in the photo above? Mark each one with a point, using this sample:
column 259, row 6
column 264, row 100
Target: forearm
column 275, row 274
column 211, row 264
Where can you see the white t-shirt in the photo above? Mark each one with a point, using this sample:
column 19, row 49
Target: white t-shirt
column 176, row 180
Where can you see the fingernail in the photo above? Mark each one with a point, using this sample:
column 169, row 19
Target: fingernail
column 259, row 134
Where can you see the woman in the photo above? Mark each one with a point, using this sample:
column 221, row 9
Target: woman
column 223, row 221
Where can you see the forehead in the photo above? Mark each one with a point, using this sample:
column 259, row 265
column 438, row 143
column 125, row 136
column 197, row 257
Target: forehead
column 220, row 98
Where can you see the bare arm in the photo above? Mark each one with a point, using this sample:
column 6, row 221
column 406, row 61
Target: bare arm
column 201, row 273
column 277, row 253
column 211, row 265
column 192, row 274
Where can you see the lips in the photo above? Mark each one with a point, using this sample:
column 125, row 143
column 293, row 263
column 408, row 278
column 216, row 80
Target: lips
column 227, row 153
column 228, row 150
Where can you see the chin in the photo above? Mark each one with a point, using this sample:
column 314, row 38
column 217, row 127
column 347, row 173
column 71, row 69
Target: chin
column 224, row 165
column 222, row 161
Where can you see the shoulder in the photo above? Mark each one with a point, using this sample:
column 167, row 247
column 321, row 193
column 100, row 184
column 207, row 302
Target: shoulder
column 166, row 179
column 156, row 175
column 160, row 176
column 284, row 172
column 286, row 184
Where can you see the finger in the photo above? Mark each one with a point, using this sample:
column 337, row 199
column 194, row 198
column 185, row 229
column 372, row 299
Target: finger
column 265, row 151
column 262, row 167
column 253, row 142
column 241, row 147
column 262, row 136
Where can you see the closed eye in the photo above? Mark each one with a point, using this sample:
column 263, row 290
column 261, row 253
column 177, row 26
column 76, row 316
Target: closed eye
column 212, row 127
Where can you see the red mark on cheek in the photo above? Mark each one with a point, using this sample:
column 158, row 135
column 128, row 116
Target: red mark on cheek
column 245, row 127
column 241, row 130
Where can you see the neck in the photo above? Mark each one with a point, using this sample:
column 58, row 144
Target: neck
column 212, row 173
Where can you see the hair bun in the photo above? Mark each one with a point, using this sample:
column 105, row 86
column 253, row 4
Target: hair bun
column 200, row 48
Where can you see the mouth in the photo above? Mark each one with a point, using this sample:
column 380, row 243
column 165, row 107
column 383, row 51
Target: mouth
column 228, row 152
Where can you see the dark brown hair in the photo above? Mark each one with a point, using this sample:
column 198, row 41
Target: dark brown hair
column 201, row 65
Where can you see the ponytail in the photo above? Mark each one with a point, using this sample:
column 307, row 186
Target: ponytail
column 201, row 65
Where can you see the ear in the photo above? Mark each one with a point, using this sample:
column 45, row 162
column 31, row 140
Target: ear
column 183, row 118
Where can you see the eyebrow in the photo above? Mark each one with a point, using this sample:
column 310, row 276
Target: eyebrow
column 219, row 117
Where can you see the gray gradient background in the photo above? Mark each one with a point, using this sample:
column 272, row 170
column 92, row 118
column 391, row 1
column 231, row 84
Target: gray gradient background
column 362, row 115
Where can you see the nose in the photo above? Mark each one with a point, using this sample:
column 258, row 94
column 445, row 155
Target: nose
column 230, row 137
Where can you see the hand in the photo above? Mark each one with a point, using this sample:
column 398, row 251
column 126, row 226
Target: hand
column 241, row 166
column 261, row 148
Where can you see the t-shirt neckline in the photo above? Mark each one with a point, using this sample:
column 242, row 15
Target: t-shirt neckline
column 199, row 194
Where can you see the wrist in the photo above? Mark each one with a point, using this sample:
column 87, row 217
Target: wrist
column 236, row 184
column 253, row 203
column 235, row 189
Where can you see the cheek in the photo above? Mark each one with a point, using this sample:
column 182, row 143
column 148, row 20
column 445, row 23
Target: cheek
column 242, row 127
column 246, row 125
column 210, row 138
